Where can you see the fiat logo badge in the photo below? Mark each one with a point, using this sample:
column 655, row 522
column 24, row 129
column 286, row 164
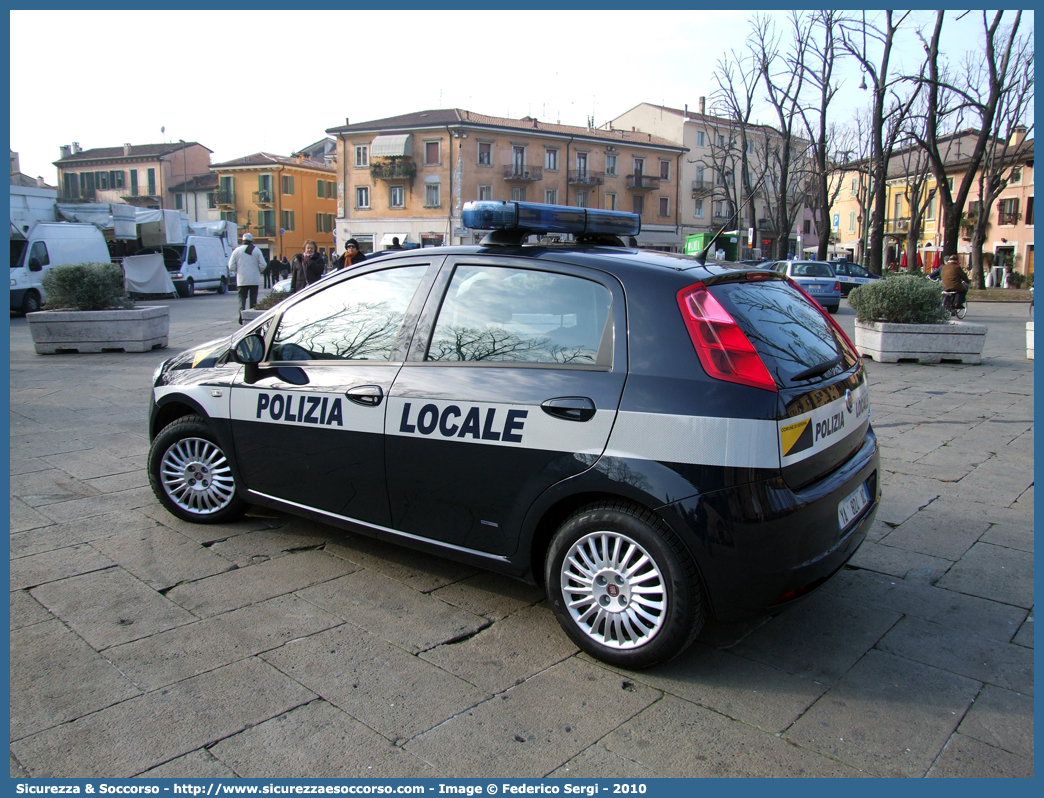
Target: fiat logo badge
column 613, row 591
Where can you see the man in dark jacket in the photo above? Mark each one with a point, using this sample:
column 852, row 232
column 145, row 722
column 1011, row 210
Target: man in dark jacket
column 955, row 279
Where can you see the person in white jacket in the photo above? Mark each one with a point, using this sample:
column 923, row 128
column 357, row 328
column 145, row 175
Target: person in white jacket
column 248, row 264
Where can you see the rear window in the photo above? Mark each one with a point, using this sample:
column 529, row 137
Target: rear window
column 811, row 270
column 790, row 333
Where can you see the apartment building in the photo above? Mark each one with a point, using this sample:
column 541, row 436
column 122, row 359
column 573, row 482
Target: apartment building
column 135, row 174
column 281, row 200
column 408, row 176
column 709, row 171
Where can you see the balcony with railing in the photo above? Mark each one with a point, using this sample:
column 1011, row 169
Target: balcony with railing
column 225, row 197
column 393, row 170
column 586, row 177
column 640, row 182
column 701, row 188
column 900, row 225
column 766, row 225
column 78, row 195
column 523, row 173
column 264, row 197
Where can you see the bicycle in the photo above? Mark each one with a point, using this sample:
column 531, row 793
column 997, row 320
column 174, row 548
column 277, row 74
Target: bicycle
column 953, row 305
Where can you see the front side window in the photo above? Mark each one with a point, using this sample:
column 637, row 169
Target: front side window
column 396, row 197
column 551, row 160
column 287, row 220
column 362, row 156
column 152, row 182
column 665, row 206
column 610, row 165
column 518, row 194
column 851, row 222
column 362, row 196
column 431, row 195
column 610, row 202
column 1009, row 211
column 701, row 139
column 357, row 319
column 431, row 153
column 485, row 192
column 638, row 204
column 494, row 314
column 485, row 153
column 698, row 212
column 39, row 253
column 665, row 170
column 639, row 165
column 581, row 199
column 551, row 196
column 581, row 165
column 288, row 184
column 264, row 188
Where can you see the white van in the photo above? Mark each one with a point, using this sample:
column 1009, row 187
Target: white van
column 48, row 244
column 200, row 262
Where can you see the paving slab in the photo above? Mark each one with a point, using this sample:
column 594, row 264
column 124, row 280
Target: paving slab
column 899, row 562
column 58, row 536
column 888, row 716
column 137, row 735
column 759, row 695
column 23, row 517
column 187, row 651
column 208, row 534
column 235, row 589
column 972, row 615
column 1001, row 718
column 25, row 610
column 103, row 504
column 1024, row 637
column 681, row 740
column 56, row 677
column 966, row 757
column 596, row 762
column 507, row 652
column 161, row 557
column 52, row 566
column 92, row 463
column 394, row 612
column 317, row 740
column 418, row 570
column 390, row 690
column 261, row 545
column 940, row 530
column 904, row 497
column 198, row 764
column 129, row 480
column 534, row 728
column 1010, row 536
column 820, row 638
column 993, row 572
column 491, row 595
column 953, row 649
column 41, row 488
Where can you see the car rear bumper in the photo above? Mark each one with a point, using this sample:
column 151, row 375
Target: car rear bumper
column 763, row 545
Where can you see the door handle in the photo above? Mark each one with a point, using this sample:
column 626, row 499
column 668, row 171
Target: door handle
column 570, row 408
column 365, row 395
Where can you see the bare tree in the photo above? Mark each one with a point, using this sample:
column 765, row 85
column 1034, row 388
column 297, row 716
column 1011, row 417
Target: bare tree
column 978, row 89
column 887, row 111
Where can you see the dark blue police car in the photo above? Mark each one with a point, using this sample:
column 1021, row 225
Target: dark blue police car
column 655, row 440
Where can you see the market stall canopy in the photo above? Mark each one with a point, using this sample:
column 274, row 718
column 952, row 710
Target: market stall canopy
column 145, row 274
column 392, row 146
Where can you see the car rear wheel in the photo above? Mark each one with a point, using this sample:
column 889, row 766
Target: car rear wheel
column 190, row 474
column 223, row 287
column 623, row 586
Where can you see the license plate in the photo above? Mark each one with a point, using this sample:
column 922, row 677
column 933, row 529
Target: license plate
column 852, row 505
column 818, row 289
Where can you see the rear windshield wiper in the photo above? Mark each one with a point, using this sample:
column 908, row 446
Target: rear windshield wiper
column 815, row 371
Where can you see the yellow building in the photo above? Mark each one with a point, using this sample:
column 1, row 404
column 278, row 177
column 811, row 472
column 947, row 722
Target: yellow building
column 280, row 200
column 408, row 177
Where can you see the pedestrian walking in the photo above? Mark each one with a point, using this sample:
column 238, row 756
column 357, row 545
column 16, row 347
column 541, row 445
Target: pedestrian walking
column 247, row 263
column 307, row 267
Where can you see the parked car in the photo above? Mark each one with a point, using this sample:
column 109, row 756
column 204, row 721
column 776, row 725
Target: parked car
column 851, row 274
column 816, row 277
column 654, row 440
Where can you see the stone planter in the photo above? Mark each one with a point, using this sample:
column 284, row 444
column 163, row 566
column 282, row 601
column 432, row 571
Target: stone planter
column 1029, row 340
column 137, row 330
column 954, row 342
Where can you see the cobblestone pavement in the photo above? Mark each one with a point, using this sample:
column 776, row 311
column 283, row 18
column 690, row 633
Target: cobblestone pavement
column 141, row 645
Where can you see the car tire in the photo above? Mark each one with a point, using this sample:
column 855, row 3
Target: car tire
column 834, row 308
column 223, row 286
column 190, row 473
column 622, row 557
column 30, row 302
column 190, row 287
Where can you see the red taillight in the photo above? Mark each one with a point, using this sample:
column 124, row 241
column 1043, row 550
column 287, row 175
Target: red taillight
column 837, row 286
column 723, row 349
column 827, row 315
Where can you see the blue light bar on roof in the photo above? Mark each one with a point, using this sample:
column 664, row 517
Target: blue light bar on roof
column 537, row 218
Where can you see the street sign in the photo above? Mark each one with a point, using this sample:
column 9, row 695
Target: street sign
column 837, row 220
column 282, row 230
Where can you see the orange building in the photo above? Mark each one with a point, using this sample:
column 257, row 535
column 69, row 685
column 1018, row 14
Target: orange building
column 280, row 200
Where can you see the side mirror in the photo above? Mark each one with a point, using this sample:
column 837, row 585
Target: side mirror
column 250, row 349
column 35, row 265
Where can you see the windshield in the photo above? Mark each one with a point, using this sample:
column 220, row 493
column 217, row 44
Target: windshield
column 17, row 252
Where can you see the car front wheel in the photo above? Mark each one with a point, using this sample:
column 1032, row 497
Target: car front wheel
column 190, row 474
column 623, row 586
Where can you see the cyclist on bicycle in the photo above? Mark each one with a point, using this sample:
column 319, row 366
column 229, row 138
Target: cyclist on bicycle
column 955, row 279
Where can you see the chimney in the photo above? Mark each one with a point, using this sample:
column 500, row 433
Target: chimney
column 1018, row 135
column 346, row 122
column 66, row 151
column 40, row 182
column 686, row 109
column 76, row 147
column 126, row 149
column 703, row 106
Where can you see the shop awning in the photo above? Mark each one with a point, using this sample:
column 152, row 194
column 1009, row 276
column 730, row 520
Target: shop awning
column 392, row 146
column 387, row 240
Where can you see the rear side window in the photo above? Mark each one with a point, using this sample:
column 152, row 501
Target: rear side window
column 789, row 332
column 356, row 319
column 812, row 270
column 494, row 314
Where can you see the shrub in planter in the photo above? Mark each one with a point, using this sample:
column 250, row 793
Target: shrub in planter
column 899, row 299
column 270, row 300
column 85, row 286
